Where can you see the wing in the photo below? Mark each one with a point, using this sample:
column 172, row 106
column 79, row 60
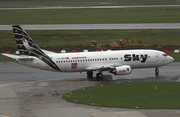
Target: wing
column 115, row 69
column 103, row 67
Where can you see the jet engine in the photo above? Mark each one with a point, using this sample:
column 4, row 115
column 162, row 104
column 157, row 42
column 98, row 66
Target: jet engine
column 122, row 70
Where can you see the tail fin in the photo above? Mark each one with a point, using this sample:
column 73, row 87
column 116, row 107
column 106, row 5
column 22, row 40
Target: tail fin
column 26, row 46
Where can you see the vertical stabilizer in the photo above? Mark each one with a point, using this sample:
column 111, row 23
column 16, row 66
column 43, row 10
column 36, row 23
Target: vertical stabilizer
column 26, row 46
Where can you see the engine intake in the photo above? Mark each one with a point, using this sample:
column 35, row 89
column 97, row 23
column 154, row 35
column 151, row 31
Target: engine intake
column 122, row 70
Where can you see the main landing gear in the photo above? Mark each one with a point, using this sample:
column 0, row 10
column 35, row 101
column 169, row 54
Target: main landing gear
column 156, row 72
column 99, row 75
column 90, row 74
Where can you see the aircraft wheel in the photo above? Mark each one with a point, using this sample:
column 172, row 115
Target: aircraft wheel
column 90, row 74
column 157, row 74
column 99, row 76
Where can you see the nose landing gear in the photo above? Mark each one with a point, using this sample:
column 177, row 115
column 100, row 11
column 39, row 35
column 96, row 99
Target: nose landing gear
column 156, row 72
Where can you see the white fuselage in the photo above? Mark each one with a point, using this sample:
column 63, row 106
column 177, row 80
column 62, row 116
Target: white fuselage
column 90, row 61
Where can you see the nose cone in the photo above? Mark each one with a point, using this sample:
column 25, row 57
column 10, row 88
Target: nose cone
column 171, row 59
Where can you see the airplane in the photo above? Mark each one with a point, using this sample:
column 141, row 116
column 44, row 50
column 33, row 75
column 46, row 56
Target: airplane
column 120, row 62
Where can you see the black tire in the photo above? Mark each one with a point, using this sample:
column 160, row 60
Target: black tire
column 99, row 75
column 157, row 74
column 90, row 74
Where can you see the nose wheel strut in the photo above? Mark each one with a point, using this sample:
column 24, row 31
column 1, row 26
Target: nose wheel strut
column 156, row 72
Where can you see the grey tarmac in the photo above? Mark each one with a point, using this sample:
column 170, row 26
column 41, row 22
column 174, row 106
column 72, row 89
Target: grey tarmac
column 95, row 26
column 27, row 92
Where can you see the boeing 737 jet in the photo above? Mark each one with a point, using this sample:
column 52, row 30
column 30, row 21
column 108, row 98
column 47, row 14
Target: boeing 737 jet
column 116, row 62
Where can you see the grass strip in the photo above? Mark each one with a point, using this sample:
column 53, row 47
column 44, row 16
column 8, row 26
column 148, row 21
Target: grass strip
column 32, row 3
column 76, row 37
column 129, row 95
column 91, row 16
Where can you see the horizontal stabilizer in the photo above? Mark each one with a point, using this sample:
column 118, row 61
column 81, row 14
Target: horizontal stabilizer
column 18, row 57
column 11, row 56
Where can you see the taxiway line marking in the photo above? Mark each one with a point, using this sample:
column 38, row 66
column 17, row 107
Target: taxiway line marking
column 2, row 85
column 4, row 116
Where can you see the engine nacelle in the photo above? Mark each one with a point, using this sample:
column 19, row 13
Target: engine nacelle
column 122, row 70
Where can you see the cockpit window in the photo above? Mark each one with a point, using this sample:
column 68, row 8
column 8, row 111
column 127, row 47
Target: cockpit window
column 165, row 55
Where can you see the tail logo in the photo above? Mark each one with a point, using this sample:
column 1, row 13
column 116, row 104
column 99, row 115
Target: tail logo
column 23, row 39
column 26, row 45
